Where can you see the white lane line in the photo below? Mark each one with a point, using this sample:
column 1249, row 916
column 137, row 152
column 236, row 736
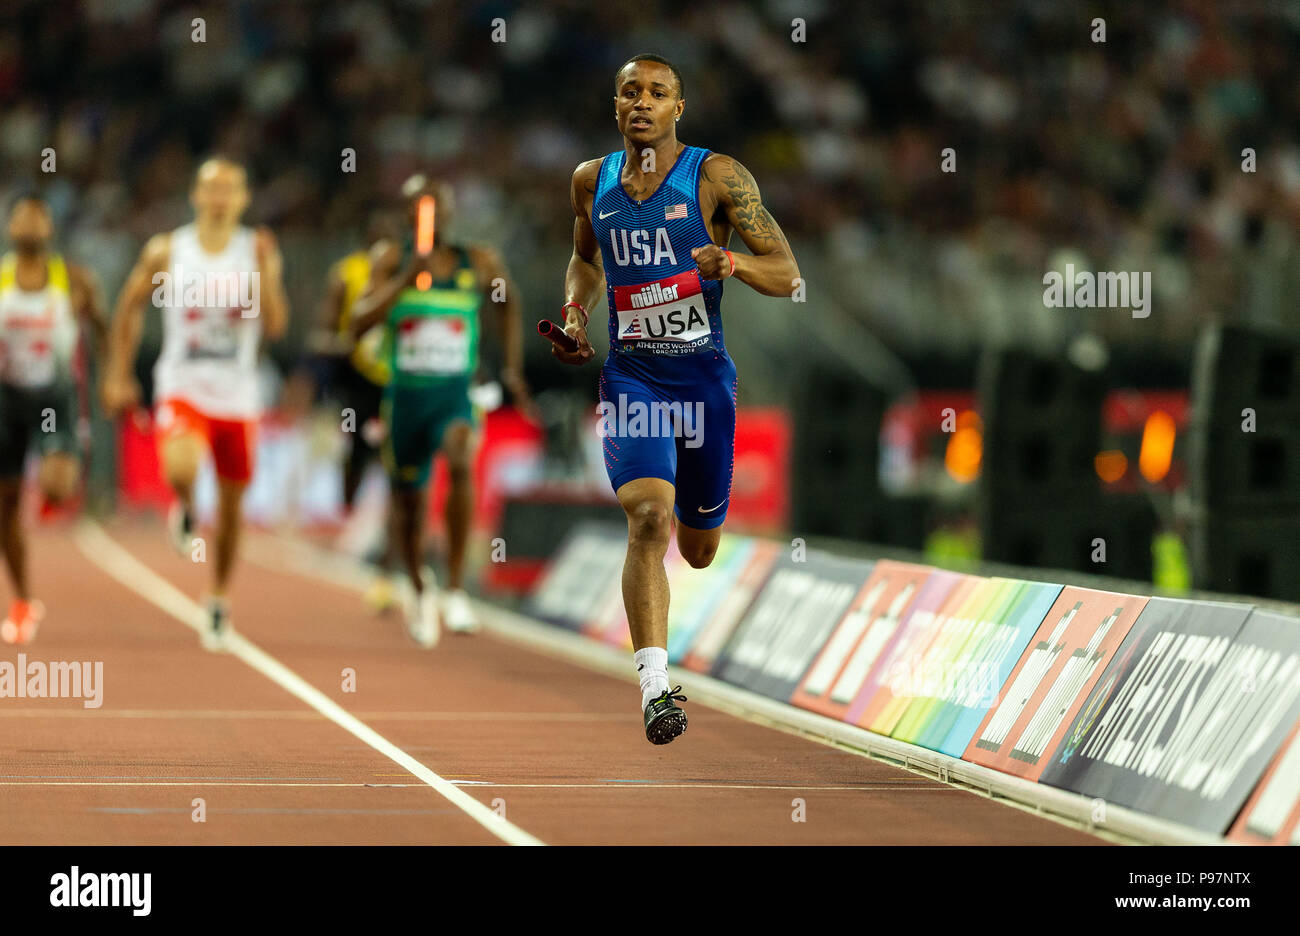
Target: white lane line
column 630, row 785
column 300, row 715
column 101, row 713
column 191, row 783
column 109, row 555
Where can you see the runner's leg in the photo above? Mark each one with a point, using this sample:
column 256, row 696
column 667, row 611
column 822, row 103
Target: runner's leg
column 14, row 435
column 648, row 503
column 363, row 398
column 58, row 475
column 11, row 535
column 706, row 455
column 698, row 547
column 458, row 446
column 182, row 453
column 409, row 506
column 233, row 445
column 230, row 495
column 408, row 456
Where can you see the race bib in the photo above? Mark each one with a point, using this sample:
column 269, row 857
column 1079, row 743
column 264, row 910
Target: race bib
column 212, row 334
column 435, row 345
column 28, row 362
column 664, row 317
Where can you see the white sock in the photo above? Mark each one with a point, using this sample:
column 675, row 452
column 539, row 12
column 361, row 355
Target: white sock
column 652, row 668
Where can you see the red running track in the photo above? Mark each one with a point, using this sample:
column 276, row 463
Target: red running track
column 557, row 748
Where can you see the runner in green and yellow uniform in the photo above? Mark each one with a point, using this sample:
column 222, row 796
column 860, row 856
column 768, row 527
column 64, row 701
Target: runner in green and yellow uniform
column 432, row 342
column 433, row 339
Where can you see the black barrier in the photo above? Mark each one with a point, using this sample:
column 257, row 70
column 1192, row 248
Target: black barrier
column 835, row 488
column 1040, row 502
column 1252, row 555
column 1244, row 462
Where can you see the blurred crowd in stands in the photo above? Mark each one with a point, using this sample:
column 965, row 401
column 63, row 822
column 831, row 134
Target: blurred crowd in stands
column 1121, row 155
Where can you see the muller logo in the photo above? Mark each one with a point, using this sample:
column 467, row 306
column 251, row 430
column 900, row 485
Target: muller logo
column 653, row 295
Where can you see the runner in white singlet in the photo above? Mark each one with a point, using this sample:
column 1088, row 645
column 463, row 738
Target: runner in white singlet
column 209, row 353
column 220, row 289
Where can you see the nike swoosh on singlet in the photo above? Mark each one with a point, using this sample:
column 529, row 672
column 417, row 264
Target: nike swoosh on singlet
column 604, row 215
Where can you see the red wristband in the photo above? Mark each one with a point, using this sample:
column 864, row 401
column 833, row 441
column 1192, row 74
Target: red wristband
column 578, row 306
column 732, row 271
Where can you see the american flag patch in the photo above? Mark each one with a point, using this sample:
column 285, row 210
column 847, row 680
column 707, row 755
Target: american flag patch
column 676, row 211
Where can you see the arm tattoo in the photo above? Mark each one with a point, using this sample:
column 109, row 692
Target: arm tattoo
column 588, row 186
column 752, row 217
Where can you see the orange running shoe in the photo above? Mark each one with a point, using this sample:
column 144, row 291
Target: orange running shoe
column 20, row 626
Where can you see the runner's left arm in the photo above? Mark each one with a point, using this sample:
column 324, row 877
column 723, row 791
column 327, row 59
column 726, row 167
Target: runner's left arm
column 273, row 303
column 770, row 267
column 495, row 279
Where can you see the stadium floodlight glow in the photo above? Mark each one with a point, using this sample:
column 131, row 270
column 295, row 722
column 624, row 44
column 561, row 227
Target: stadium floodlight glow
column 965, row 448
column 1111, row 465
column 1157, row 451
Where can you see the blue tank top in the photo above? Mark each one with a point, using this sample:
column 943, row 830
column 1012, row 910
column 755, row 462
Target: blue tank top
column 664, row 320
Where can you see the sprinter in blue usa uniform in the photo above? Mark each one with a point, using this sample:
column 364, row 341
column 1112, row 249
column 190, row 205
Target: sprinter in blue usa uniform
column 653, row 220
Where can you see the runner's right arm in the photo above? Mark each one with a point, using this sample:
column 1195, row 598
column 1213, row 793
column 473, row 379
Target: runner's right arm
column 119, row 389
column 585, row 276
column 274, row 302
column 386, row 284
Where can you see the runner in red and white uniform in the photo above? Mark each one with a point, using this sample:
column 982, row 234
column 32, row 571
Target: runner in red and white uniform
column 219, row 287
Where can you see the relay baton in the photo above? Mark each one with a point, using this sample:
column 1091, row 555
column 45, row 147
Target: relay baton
column 424, row 211
column 557, row 336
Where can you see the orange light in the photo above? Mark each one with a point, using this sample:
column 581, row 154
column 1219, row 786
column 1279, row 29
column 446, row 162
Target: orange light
column 965, row 448
column 1110, row 465
column 1157, row 446
column 424, row 212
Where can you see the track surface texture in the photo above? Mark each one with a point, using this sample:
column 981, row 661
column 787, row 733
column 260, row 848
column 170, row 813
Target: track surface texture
column 556, row 748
